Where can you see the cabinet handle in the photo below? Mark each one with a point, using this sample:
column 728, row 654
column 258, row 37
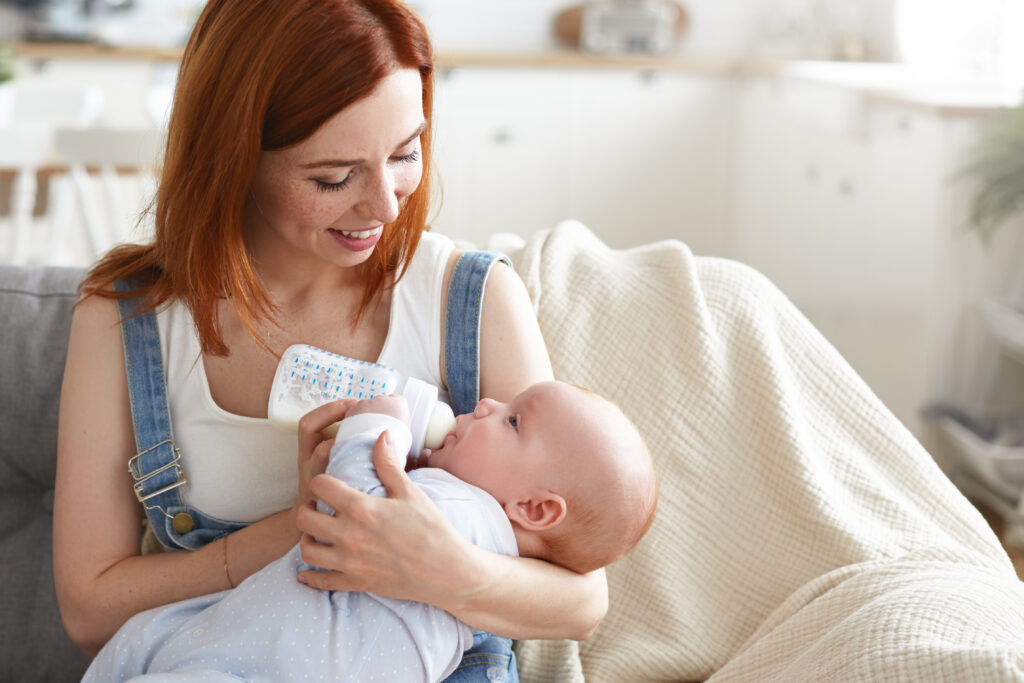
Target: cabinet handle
column 503, row 136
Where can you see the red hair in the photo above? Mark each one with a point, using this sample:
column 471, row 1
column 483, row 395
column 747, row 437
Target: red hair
column 263, row 75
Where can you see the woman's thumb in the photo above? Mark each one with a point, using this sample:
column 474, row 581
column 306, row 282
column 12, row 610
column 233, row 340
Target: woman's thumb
column 390, row 465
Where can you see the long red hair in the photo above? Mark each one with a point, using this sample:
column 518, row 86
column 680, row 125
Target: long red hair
column 262, row 75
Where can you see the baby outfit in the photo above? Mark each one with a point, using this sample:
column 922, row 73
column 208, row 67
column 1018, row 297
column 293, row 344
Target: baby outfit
column 272, row 628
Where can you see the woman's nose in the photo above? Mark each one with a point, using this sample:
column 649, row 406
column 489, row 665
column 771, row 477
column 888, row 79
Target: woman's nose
column 380, row 203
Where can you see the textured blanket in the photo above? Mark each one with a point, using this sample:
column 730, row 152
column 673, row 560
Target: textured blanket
column 803, row 534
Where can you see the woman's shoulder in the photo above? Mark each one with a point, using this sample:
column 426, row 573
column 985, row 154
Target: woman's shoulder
column 96, row 311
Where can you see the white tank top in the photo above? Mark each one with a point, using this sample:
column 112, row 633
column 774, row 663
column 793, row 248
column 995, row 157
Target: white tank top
column 243, row 468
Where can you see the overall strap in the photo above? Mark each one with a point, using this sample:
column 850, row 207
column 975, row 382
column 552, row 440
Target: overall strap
column 462, row 327
column 156, row 468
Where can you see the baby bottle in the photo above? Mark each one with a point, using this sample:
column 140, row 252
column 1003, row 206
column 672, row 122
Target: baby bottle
column 308, row 377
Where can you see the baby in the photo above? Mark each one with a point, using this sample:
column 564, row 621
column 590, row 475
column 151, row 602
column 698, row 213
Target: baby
column 558, row 473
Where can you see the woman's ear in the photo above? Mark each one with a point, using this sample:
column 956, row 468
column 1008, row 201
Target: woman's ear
column 538, row 512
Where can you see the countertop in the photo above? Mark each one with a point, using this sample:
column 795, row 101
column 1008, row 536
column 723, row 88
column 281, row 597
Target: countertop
column 892, row 83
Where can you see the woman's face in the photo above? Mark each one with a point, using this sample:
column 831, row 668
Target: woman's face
column 331, row 195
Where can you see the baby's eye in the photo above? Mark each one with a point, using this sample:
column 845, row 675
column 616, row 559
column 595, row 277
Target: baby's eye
column 514, row 421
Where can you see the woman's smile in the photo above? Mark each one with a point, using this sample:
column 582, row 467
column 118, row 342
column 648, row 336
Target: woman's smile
column 357, row 240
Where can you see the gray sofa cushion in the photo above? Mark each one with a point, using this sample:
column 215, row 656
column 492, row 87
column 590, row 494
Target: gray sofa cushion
column 35, row 315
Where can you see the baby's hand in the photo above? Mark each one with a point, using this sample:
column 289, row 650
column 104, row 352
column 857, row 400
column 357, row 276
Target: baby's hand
column 392, row 404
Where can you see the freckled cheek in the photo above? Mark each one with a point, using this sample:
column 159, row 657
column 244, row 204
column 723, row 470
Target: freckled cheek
column 317, row 209
column 408, row 180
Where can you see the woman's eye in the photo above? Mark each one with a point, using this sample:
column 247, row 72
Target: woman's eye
column 514, row 421
column 410, row 158
column 324, row 186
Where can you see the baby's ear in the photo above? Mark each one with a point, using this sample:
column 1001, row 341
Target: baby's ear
column 538, row 512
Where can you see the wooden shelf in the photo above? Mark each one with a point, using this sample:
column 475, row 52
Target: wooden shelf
column 881, row 82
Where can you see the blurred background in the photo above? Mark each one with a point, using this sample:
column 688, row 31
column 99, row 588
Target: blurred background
column 866, row 155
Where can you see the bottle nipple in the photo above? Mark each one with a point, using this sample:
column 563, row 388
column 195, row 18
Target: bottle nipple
column 440, row 425
column 431, row 420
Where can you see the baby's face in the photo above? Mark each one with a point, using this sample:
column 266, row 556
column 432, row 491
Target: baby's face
column 504, row 448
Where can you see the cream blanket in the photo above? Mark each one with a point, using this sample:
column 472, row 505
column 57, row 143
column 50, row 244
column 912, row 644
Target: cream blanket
column 802, row 533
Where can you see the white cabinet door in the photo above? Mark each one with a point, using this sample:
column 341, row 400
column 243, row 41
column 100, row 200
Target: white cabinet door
column 502, row 151
column 650, row 157
column 838, row 201
column 636, row 157
column 838, row 211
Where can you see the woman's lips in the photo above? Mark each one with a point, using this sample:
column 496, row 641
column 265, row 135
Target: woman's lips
column 357, row 240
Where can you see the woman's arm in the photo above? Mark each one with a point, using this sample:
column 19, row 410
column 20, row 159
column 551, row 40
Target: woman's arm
column 402, row 546
column 513, row 355
column 532, row 593
column 101, row 578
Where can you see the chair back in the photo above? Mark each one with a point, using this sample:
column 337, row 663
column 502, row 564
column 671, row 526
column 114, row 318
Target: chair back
column 110, row 181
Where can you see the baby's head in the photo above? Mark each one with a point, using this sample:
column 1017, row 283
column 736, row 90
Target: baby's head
column 570, row 470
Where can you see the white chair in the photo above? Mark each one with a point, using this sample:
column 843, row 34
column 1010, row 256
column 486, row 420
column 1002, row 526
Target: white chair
column 110, row 180
column 24, row 148
column 38, row 100
column 32, row 109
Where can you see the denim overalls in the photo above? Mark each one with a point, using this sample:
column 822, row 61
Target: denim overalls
column 158, row 475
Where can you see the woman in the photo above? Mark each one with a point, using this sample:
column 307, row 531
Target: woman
column 292, row 201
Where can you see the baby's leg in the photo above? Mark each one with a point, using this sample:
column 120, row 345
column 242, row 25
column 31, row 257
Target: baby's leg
column 130, row 652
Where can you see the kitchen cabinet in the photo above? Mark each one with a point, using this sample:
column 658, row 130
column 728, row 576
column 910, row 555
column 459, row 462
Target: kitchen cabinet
column 853, row 207
column 638, row 156
column 501, row 152
column 820, row 204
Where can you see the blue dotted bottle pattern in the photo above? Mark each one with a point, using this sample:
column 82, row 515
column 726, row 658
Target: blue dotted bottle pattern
column 346, row 378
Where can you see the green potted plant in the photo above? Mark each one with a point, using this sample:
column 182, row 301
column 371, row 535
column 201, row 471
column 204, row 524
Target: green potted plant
column 6, row 81
column 6, row 63
column 996, row 164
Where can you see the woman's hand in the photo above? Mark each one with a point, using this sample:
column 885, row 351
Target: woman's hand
column 314, row 448
column 401, row 546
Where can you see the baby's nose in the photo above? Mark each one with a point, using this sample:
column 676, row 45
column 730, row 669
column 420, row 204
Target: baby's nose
column 484, row 408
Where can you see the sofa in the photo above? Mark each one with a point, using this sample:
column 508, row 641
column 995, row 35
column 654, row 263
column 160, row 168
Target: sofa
column 35, row 316
column 802, row 533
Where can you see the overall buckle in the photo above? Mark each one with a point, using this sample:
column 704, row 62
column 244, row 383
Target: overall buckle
column 140, row 479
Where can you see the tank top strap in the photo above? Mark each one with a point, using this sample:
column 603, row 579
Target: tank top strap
column 462, row 326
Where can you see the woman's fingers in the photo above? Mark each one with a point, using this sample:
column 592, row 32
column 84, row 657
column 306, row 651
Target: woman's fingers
column 321, row 455
column 400, row 546
column 321, row 580
column 313, row 423
column 334, row 493
column 390, row 468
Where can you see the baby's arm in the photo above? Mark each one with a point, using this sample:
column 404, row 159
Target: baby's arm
column 351, row 458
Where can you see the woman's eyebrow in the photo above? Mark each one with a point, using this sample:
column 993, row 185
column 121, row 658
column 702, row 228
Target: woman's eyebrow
column 337, row 163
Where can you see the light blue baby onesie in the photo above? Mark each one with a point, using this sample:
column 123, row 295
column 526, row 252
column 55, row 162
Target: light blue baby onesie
column 272, row 628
